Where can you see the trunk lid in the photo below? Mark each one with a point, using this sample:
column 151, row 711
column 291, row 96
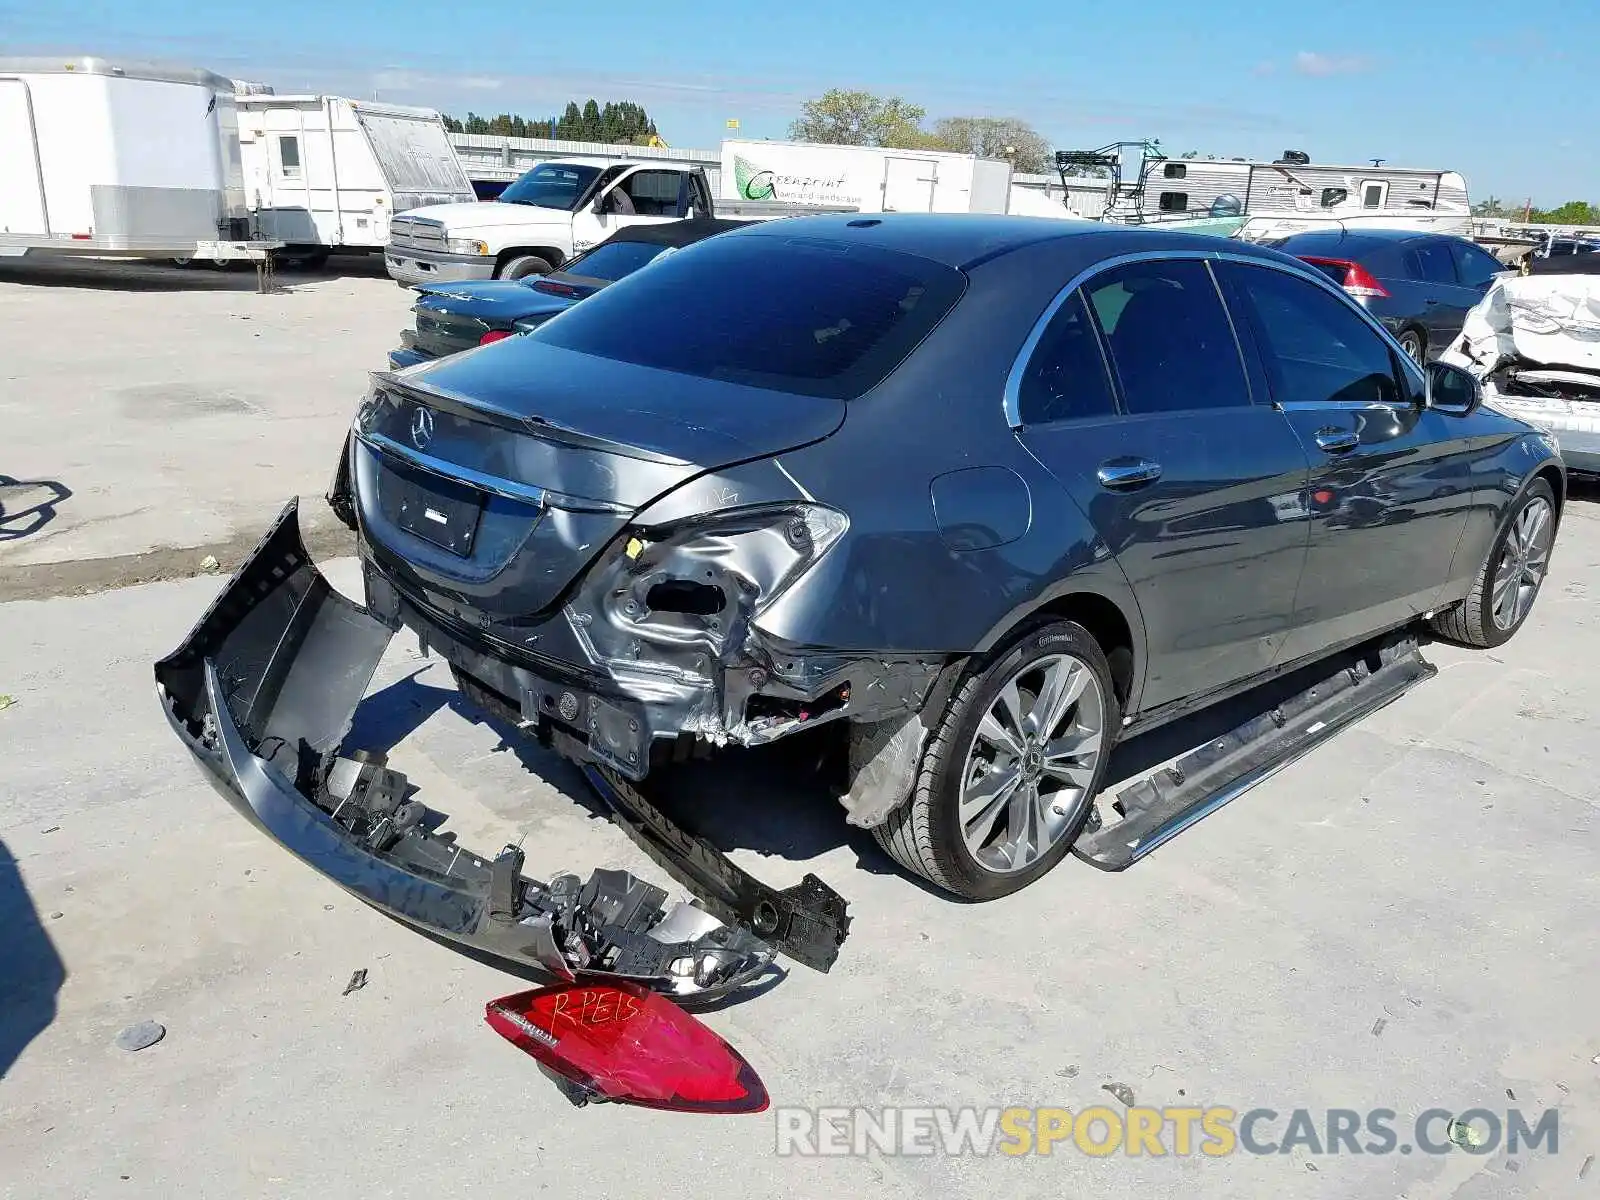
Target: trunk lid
column 493, row 478
column 454, row 317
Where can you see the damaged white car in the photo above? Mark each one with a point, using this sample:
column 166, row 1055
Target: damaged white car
column 1534, row 341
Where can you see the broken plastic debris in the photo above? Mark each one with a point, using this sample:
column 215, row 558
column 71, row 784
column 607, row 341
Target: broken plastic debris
column 141, row 1036
column 209, row 563
column 7, row 701
column 1377, row 1026
column 1464, row 1135
column 358, row 980
column 1121, row 1091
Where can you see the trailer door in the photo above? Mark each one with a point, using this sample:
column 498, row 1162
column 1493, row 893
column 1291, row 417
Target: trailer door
column 22, row 208
column 908, row 184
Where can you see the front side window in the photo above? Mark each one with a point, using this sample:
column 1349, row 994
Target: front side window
column 1065, row 379
column 1432, row 261
column 552, row 185
column 1474, row 267
column 1316, row 349
column 1171, row 343
column 778, row 312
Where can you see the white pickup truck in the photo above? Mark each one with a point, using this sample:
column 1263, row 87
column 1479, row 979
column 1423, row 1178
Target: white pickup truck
column 556, row 210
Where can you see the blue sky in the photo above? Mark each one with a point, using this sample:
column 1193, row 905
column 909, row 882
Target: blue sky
column 1464, row 84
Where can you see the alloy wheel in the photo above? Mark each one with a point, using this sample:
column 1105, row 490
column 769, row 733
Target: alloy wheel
column 1524, row 559
column 1033, row 759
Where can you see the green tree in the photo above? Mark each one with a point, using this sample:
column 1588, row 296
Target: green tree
column 854, row 118
column 994, row 137
column 1573, row 212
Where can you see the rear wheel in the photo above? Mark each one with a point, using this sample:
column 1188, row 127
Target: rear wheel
column 1509, row 581
column 1008, row 779
column 1414, row 344
column 525, row 265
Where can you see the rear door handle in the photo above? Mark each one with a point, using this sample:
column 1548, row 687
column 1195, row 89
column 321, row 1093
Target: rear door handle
column 1430, row 302
column 1336, row 441
column 1127, row 472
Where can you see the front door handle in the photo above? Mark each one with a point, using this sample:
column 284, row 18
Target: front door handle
column 1127, row 472
column 1336, row 441
column 1430, row 302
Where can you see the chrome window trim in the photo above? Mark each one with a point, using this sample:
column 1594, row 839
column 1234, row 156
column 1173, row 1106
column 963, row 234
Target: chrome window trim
column 1012, row 401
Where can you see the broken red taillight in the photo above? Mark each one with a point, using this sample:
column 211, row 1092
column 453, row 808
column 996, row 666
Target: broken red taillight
column 1352, row 276
column 494, row 335
column 625, row 1043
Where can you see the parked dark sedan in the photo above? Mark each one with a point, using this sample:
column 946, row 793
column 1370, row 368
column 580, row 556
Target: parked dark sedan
column 1420, row 285
column 991, row 493
column 451, row 317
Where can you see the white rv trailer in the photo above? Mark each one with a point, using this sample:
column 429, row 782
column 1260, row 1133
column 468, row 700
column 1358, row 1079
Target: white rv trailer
column 865, row 178
column 327, row 173
column 120, row 160
column 1269, row 199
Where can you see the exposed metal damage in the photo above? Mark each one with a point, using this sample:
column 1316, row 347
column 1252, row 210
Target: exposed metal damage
column 263, row 692
column 1534, row 341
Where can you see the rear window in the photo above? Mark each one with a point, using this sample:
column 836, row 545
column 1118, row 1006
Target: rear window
column 785, row 313
column 613, row 260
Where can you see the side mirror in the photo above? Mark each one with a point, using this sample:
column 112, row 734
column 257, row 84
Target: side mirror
column 1453, row 390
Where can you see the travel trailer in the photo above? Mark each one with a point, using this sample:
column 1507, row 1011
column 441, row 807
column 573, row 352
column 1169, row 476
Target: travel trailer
column 1264, row 200
column 324, row 173
column 121, row 160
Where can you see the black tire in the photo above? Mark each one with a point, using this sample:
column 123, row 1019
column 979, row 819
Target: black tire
column 924, row 835
column 524, row 265
column 1472, row 623
column 1415, row 343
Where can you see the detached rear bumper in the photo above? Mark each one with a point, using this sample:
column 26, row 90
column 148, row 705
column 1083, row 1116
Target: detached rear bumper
column 263, row 691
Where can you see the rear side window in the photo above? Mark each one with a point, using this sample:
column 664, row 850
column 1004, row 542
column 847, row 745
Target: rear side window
column 1172, row 345
column 1066, row 379
column 1431, row 261
column 1314, row 347
column 786, row 313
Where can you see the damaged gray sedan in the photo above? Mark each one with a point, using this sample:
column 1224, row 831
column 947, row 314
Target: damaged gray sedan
column 986, row 494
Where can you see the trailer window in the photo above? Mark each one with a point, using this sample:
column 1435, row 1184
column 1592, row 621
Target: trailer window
column 289, row 156
column 782, row 313
column 1175, row 171
column 1374, row 193
column 1333, row 196
column 1174, row 202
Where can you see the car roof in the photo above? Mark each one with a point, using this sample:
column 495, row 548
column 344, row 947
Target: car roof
column 965, row 241
column 674, row 233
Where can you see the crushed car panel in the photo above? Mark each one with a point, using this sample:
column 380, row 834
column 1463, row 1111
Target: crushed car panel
column 263, row 692
column 1534, row 341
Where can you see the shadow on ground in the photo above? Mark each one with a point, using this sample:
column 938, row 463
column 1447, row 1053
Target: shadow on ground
column 140, row 276
column 31, row 972
column 27, row 506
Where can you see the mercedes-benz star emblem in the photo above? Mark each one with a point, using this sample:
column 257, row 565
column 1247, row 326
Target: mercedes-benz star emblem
column 422, row 428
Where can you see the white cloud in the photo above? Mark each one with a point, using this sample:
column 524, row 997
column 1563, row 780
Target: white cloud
column 1321, row 66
